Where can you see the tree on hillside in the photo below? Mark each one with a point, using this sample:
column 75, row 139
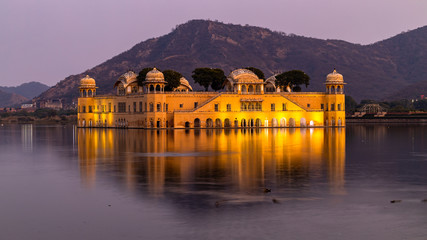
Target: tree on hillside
column 292, row 79
column 421, row 105
column 206, row 77
column 172, row 78
column 218, row 79
column 350, row 104
column 257, row 71
column 142, row 74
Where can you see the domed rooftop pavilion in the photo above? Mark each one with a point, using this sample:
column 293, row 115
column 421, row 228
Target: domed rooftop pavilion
column 334, row 77
column 87, row 82
column 244, row 81
column 154, row 81
column 184, row 86
column 127, row 83
column 87, row 87
column 334, row 82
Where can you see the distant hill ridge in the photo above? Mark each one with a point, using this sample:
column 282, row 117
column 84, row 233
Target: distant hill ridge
column 13, row 96
column 28, row 90
column 11, row 99
column 387, row 69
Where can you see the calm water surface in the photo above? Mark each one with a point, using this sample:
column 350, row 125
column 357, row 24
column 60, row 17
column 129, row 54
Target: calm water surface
column 60, row 182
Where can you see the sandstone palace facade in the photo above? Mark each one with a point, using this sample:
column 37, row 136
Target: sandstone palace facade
column 247, row 101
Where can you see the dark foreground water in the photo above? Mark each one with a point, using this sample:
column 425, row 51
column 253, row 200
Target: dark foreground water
column 60, row 182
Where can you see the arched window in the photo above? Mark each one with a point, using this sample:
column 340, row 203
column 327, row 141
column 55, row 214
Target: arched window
column 121, row 90
column 196, row 123
column 244, row 89
column 251, row 89
column 134, row 89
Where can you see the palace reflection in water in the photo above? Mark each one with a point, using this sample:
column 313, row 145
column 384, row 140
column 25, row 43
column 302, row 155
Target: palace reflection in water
column 237, row 160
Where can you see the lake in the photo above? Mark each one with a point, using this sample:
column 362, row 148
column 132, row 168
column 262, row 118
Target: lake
column 63, row 182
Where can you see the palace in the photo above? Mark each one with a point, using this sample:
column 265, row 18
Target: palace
column 246, row 102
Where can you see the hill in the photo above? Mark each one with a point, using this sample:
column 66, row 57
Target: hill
column 11, row 99
column 373, row 71
column 27, row 90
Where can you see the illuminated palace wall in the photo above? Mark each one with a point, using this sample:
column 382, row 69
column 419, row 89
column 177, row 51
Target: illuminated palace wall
column 247, row 102
column 248, row 158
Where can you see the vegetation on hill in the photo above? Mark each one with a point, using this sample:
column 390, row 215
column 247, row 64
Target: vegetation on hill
column 142, row 74
column 293, row 79
column 209, row 77
column 172, row 77
column 257, row 72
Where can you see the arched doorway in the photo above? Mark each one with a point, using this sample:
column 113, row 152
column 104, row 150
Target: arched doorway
column 251, row 123
column 283, row 122
column 218, row 123
column 227, row 123
column 274, row 122
column 243, row 123
column 187, row 124
column 236, row 123
column 209, row 123
column 196, row 123
column 333, row 122
column 291, row 122
column 258, row 122
column 339, row 122
column 311, row 123
column 303, row 122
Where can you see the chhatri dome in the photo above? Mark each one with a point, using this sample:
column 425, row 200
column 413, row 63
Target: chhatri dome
column 87, row 82
column 128, row 76
column 154, row 76
column 185, row 83
column 244, row 76
column 334, row 77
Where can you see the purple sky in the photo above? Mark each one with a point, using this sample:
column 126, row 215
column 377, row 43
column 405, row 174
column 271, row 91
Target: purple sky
column 48, row 40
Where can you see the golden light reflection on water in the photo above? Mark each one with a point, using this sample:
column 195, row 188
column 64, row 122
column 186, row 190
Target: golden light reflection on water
column 243, row 160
